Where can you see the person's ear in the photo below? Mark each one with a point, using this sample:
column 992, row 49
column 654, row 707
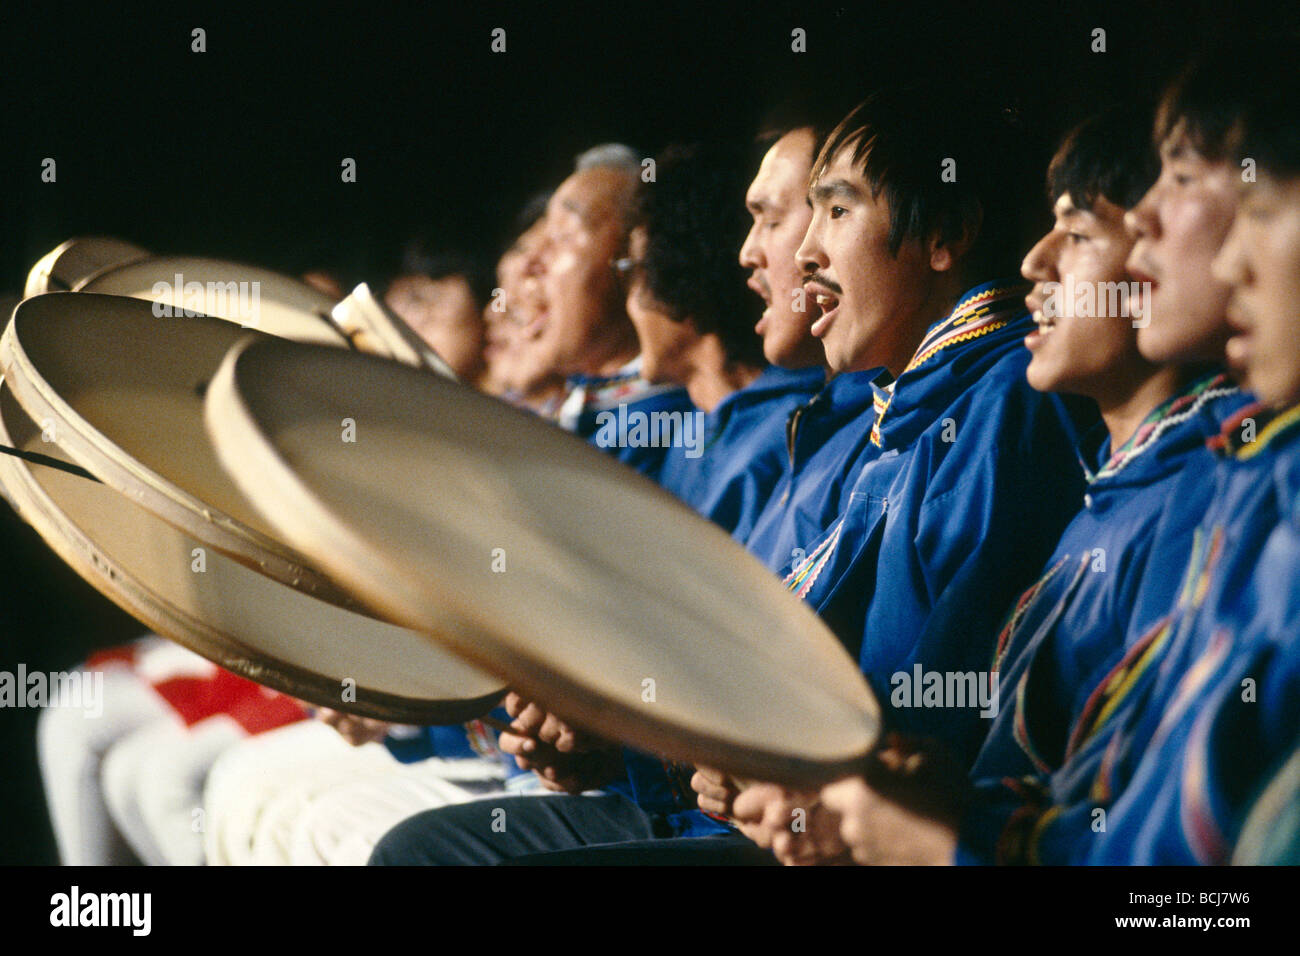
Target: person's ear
column 946, row 252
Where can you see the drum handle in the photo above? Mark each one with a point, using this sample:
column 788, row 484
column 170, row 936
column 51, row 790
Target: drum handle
column 36, row 458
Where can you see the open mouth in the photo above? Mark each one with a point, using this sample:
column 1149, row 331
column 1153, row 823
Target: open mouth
column 1043, row 325
column 1238, row 351
column 829, row 305
column 534, row 322
column 1239, row 347
column 827, row 301
column 1145, row 280
column 760, row 288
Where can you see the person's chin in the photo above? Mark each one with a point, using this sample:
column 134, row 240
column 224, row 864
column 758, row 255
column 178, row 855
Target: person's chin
column 834, row 358
column 1189, row 347
column 1038, row 373
column 1157, row 345
column 1280, row 395
column 842, row 364
column 780, row 349
column 1042, row 377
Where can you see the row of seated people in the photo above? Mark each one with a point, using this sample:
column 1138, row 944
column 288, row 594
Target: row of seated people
column 1082, row 498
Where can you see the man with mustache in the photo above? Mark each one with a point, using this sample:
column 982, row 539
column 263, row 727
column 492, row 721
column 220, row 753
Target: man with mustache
column 567, row 759
column 968, row 476
column 1106, row 579
column 827, row 438
column 1150, row 776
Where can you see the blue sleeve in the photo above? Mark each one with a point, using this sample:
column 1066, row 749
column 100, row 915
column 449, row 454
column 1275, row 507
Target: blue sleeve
column 992, row 827
column 663, row 788
column 449, row 742
column 973, row 532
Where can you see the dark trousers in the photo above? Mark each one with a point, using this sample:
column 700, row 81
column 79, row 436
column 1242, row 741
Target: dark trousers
column 606, row 830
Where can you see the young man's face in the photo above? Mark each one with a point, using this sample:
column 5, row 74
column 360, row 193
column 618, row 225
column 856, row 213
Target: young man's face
column 778, row 201
column 663, row 341
column 1261, row 261
column 860, row 294
column 1180, row 224
column 1078, row 346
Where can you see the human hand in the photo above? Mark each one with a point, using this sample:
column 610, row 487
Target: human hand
column 355, row 730
column 796, row 826
column 716, row 791
column 566, row 759
column 880, row 832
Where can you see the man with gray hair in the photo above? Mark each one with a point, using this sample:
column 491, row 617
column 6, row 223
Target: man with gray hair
column 609, row 156
column 580, row 326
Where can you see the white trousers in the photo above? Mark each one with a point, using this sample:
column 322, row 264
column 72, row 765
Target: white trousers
column 301, row 795
column 153, row 783
column 70, row 749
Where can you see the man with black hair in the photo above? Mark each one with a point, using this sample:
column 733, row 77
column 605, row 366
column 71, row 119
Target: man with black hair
column 441, row 297
column 827, row 438
column 688, row 303
column 968, row 475
column 1009, row 461
column 1222, row 716
column 1176, row 737
column 777, row 201
column 939, row 174
column 1106, row 579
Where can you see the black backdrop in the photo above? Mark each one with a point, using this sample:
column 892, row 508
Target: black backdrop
column 236, row 153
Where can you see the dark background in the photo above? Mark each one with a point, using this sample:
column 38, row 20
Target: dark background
column 236, row 152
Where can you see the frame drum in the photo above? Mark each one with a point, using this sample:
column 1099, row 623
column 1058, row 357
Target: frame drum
column 78, row 259
column 254, row 297
column 121, row 390
column 579, row 582
column 233, row 616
